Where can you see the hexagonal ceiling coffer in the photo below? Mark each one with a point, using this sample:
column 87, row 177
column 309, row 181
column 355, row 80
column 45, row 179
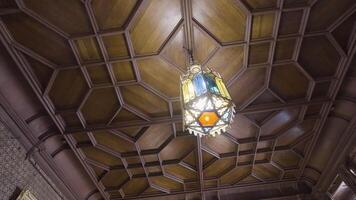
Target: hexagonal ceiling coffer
column 232, row 14
column 158, row 30
column 144, row 101
column 69, row 89
column 100, row 106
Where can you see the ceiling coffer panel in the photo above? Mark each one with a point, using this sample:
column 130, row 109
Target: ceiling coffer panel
column 109, row 74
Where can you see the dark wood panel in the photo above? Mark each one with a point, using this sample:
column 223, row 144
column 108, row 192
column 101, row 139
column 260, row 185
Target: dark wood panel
column 262, row 26
column 280, row 120
column 112, row 13
column 266, row 171
column 242, row 128
column 260, row 4
column 219, row 144
column 180, row 172
column 113, row 142
column 295, row 132
column 42, row 72
column 174, row 51
column 235, row 175
column 289, row 82
column 311, row 53
column 218, row 167
column 262, row 145
column 99, row 74
column 155, row 136
column 88, row 49
column 124, row 115
column 343, row 33
column 286, row 159
column 168, row 80
column 71, row 119
column 153, row 28
column 228, row 61
column 135, row 186
column 330, row 10
column 114, row 178
column 123, row 71
column 247, row 85
column 145, row 101
column 68, row 15
column 290, row 22
column 284, row 50
column 203, row 44
column 100, row 106
column 220, row 18
column 178, row 148
column 101, row 156
column 267, row 97
column 115, row 46
column 166, row 183
column 259, row 53
column 43, row 41
column 68, row 89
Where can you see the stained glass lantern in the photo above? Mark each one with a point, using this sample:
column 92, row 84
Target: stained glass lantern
column 206, row 103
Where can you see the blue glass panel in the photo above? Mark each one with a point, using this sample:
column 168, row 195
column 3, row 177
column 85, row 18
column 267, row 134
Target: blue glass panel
column 226, row 116
column 199, row 84
column 211, row 85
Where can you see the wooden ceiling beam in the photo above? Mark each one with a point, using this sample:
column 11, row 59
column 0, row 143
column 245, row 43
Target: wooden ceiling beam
column 20, row 61
column 114, row 31
column 345, row 144
column 133, row 58
column 31, row 53
column 343, row 67
column 189, row 45
column 178, row 118
column 249, row 187
column 180, row 162
column 22, row 6
column 9, row 11
column 45, row 61
column 342, row 18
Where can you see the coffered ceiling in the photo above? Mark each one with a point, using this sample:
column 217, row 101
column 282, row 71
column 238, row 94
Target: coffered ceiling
column 107, row 72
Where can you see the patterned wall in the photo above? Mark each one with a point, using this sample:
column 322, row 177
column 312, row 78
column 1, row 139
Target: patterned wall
column 17, row 173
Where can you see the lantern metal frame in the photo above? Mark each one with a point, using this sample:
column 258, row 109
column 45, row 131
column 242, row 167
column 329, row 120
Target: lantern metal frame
column 224, row 113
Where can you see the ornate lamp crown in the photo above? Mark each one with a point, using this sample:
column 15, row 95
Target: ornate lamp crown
column 206, row 103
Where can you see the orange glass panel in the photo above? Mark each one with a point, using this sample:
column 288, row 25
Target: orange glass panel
column 208, row 118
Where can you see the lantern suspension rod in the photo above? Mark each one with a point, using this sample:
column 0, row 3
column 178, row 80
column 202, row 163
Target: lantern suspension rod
column 190, row 53
column 188, row 29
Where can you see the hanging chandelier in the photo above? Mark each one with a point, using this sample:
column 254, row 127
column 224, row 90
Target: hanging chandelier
column 206, row 103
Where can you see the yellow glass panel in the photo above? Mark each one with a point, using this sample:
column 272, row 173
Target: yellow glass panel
column 188, row 90
column 222, row 88
column 185, row 91
column 191, row 89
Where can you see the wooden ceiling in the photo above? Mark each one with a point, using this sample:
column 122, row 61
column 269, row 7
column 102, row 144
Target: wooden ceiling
column 108, row 72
